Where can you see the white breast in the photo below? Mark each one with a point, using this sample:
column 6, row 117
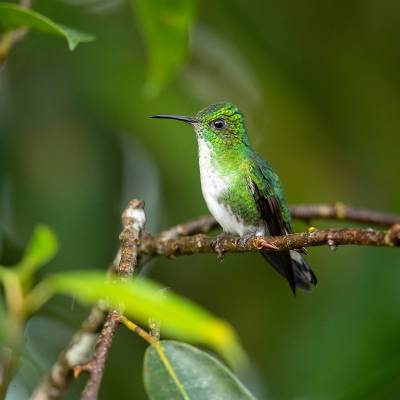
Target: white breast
column 213, row 184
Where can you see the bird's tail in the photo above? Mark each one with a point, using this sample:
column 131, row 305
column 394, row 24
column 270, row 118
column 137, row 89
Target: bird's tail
column 291, row 265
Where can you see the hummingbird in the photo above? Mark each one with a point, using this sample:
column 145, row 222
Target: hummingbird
column 241, row 189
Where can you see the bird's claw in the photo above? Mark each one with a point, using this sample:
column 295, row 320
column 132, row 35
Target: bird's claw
column 216, row 245
column 244, row 240
column 263, row 243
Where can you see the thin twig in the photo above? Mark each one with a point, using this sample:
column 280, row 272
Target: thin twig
column 95, row 367
column 137, row 329
column 200, row 225
column 340, row 211
column 133, row 220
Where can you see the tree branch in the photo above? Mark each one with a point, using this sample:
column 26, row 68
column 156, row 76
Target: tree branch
column 95, row 367
column 186, row 245
column 302, row 212
column 176, row 241
column 200, row 225
column 133, row 221
column 78, row 352
column 340, row 211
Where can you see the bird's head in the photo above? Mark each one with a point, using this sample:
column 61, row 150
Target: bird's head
column 219, row 124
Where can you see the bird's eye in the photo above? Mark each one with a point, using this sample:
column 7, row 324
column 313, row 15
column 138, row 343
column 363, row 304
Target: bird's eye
column 219, row 124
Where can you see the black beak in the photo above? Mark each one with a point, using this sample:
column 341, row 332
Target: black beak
column 183, row 118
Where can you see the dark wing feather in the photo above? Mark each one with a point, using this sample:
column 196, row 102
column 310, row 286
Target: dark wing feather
column 269, row 205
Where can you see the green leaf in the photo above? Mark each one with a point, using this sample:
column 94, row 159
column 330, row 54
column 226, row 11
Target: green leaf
column 13, row 16
column 41, row 249
column 165, row 28
column 141, row 299
column 174, row 370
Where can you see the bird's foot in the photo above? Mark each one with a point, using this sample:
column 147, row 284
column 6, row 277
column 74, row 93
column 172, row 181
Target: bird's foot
column 265, row 244
column 244, row 240
column 216, row 245
column 261, row 241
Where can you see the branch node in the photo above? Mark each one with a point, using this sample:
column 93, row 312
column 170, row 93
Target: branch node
column 392, row 237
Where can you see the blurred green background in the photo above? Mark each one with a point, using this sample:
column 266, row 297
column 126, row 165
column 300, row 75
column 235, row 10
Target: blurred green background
column 319, row 83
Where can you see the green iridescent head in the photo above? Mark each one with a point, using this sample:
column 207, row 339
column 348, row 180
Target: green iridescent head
column 220, row 123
